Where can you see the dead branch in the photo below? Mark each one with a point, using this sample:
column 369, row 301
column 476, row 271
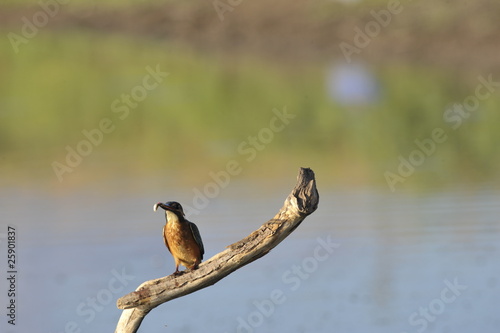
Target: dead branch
column 302, row 201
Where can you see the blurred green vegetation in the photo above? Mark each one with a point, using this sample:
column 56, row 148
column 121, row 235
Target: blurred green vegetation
column 64, row 82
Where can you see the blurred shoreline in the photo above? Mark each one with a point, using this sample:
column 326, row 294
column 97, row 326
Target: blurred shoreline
column 436, row 33
column 220, row 81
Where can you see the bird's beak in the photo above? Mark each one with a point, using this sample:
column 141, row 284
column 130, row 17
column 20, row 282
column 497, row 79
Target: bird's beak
column 161, row 205
column 155, row 207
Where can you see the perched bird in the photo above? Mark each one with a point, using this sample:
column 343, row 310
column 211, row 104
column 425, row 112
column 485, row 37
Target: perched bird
column 181, row 237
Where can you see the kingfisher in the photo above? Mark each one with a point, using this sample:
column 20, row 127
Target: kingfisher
column 181, row 237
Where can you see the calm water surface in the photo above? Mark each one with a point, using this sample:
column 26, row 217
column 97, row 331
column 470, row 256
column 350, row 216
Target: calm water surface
column 365, row 261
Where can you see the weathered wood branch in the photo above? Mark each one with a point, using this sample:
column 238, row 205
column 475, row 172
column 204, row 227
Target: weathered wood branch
column 302, row 201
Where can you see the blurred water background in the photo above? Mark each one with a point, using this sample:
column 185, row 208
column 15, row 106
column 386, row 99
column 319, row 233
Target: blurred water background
column 107, row 108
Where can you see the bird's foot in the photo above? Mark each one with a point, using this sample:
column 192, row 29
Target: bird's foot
column 178, row 273
column 192, row 268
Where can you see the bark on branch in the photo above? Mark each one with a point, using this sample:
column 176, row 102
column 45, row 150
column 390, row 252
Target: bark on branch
column 302, row 201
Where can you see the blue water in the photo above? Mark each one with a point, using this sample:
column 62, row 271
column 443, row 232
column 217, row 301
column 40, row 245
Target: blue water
column 396, row 263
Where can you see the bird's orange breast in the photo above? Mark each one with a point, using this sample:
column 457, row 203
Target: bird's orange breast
column 182, row 244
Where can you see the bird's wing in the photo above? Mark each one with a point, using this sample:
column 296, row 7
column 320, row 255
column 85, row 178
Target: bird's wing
column 165, row 238
column 197, row 237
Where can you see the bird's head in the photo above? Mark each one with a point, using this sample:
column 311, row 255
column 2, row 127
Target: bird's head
column 171, row 206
